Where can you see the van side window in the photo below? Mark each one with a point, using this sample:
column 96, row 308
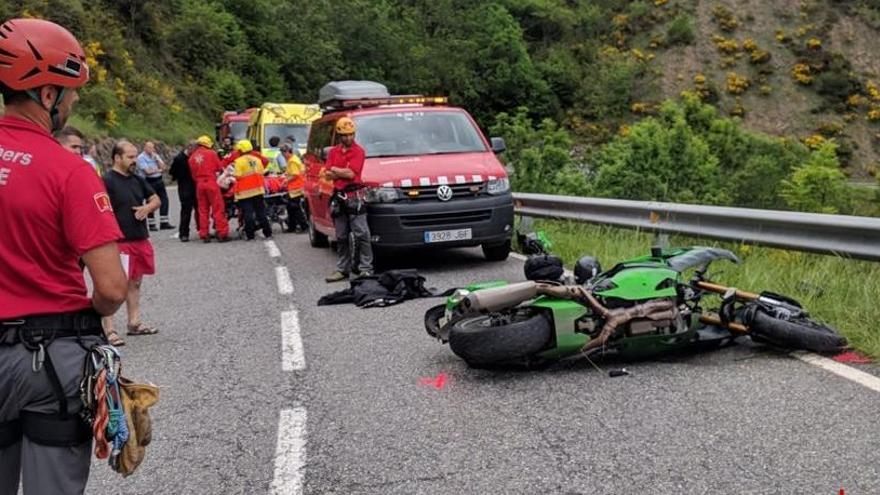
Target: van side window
column 319, row 137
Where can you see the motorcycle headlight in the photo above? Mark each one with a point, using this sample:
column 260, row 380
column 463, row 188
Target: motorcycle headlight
column 498, row 186
column 381, row 195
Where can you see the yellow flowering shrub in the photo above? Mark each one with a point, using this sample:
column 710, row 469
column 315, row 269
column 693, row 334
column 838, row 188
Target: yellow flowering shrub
column 737, row 84
column 725, row 45
column 814, row 43
column 874, row 114
column 872, row 90
column 813, row 142
column 854, row 100
column 781, row 36
column 801, row 74
column 725, row 18
column 749, row 45
column 640, row 107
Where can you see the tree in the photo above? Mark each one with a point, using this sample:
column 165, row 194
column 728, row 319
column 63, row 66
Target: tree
column 818, row 185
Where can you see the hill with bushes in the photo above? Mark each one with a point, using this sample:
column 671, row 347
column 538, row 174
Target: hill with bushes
column 745, row 102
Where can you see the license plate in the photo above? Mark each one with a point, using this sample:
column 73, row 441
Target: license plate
column 448, row 235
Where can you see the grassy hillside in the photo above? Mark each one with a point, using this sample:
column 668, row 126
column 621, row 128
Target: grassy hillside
column 805, row 70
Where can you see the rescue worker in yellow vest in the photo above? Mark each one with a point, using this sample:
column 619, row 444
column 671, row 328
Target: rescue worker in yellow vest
column 272, row 153
column 295, row 172
column 249, row 189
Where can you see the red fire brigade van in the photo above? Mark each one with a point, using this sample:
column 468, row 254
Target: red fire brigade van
column 431, row 176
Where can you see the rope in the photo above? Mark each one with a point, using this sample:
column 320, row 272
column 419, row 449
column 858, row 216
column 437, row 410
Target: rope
column 102, row 448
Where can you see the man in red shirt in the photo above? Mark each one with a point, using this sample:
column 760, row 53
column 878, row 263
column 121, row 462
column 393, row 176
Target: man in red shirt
column 344, row 164
column 204, row 165
column 54, row 213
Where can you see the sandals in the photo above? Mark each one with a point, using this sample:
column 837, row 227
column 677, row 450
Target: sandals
column 141, row 329
column 114, row 339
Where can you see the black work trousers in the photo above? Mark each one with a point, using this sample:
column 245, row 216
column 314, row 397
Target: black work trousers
column 296, row 214
column 158, row 185
column 251, row 208
column 188, row 204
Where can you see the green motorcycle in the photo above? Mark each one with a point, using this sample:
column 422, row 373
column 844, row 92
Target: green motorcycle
column 638, row 309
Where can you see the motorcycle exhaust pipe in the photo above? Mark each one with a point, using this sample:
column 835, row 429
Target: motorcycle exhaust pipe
column 498, row 298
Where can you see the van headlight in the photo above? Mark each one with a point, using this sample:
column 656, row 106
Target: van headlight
column 381, row 195
column 498, row 186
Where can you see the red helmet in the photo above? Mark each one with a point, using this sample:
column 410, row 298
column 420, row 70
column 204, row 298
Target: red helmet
column 35, row 53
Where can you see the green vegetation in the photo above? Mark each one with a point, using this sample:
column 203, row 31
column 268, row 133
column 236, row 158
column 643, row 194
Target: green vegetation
column 666, row 100
column 838, row 291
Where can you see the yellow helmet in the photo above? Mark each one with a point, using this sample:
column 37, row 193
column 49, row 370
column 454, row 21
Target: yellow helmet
column 205, row 141
column 244, row 146
column 345, row 126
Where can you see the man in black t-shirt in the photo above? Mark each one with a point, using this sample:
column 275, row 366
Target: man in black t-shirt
column 133, row 200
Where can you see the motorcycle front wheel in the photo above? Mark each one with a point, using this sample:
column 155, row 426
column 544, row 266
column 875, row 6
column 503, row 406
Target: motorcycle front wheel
column 499, row 338
column 798, row 333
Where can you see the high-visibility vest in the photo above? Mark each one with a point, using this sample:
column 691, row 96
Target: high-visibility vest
column 296, row 179
column 248, row 174
column 272, row 155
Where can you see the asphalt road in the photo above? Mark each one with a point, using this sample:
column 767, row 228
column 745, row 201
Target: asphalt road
column 739, row 420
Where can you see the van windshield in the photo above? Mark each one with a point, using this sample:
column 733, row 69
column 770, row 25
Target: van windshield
column 238, row 130
column 417, row 133
column 300, row 132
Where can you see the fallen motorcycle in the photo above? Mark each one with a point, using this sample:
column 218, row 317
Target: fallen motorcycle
column 639, row 308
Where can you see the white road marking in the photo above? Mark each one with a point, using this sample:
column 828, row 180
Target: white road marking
column 865, row 379
column 282, row 276
column 290, row 453
column 274, row 252
column 292, row 356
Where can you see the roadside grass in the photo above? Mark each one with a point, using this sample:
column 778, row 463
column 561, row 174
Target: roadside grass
column 841, row 292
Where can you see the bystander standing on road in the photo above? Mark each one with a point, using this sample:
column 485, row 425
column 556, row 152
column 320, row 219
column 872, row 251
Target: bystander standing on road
column 55, row 215
column 344, row 164
column 91, row 156
column 71, row 139
column 186, row 189
column 152, row 167
column 133, row 200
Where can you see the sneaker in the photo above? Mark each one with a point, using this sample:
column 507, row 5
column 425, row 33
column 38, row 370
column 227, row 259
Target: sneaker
column 206, row 240
column 184, row 238
column 336, row 276
column 166, row 226
column 365, row 273
column 153, row 228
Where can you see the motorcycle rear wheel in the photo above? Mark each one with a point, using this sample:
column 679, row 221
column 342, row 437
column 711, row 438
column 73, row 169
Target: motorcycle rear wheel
column 499, row 338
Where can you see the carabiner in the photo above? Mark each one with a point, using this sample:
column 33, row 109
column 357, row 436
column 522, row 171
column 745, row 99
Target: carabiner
column 38, row 358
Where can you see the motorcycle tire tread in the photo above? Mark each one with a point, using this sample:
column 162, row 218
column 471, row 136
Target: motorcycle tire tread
column 802, row 333
column 480, row 346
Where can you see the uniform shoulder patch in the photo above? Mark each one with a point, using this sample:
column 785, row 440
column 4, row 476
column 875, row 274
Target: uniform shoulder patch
column 102, row 201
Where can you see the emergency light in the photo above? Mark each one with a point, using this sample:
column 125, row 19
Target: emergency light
column 388, row 100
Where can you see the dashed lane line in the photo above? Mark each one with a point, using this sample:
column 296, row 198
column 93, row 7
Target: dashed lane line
column 274, row 252
column 285, row 284
column 290, row 453
column 292, row 356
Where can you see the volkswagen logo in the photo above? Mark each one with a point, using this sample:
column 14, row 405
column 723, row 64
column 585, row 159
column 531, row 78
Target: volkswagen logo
column 444, row 193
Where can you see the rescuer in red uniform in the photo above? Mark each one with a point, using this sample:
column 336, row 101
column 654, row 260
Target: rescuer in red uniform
column 54, row 214
column 204, row 165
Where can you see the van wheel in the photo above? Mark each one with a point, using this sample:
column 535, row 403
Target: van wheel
column 496, row 252
column 316, row 239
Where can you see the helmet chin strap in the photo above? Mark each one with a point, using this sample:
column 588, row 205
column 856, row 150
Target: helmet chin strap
column 53, row 110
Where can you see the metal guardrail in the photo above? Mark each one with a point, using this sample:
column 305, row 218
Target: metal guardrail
column 848, row 236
